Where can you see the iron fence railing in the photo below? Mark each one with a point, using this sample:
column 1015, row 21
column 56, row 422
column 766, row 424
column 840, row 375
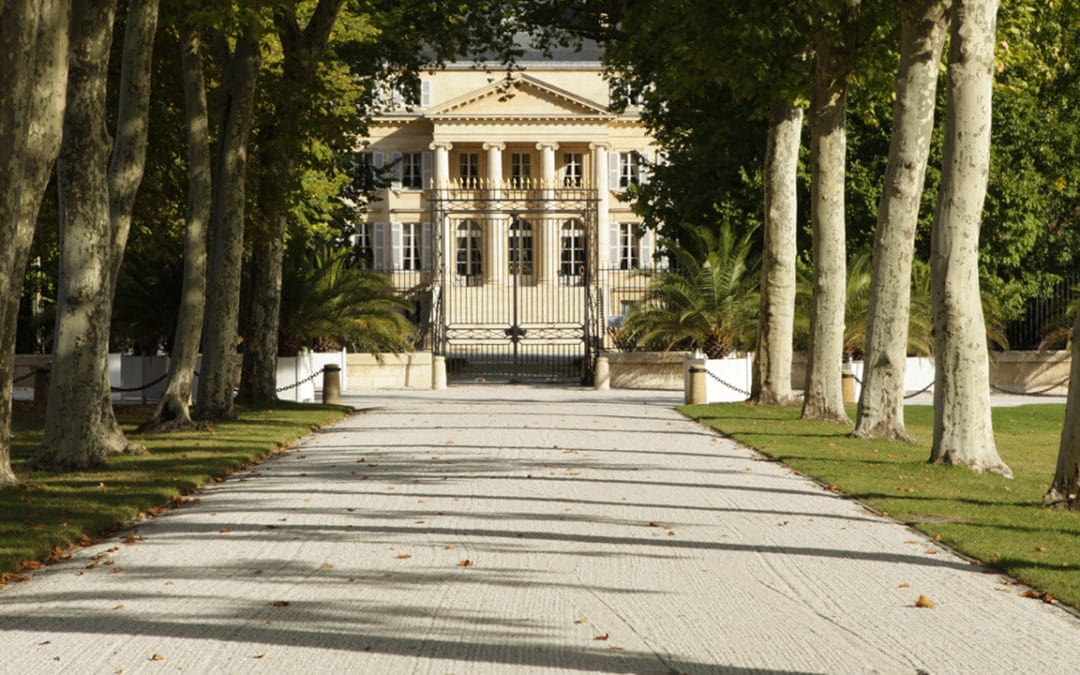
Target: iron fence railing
column 1043, row 315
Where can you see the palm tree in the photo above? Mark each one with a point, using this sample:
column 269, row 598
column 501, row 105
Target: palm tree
column 709, row 301
column 920, row 319
column 326, row 302
column 1061, row 326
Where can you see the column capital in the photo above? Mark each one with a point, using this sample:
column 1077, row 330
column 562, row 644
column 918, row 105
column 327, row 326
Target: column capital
column 441, row 145
column 545, row 145
column 494, row 145
column 599, row 146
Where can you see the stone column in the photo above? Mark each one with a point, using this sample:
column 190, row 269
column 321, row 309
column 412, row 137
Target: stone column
column 603, row 204
column 494, row 238
column 442, row 163
column 547, row 248
column 442, row 182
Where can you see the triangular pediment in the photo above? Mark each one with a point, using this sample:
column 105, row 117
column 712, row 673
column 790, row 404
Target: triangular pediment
column 526, row 97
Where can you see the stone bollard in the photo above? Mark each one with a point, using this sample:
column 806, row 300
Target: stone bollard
column 438, row 372
column 847, row 385
column 695, row 393
column 41, row 384
column 602, row 374
column 331, row 384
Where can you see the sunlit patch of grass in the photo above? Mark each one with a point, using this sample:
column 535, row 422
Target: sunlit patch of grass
column 52, row 511
column 995, row 520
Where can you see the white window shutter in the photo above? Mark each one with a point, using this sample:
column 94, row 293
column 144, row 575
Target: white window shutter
column 378, row 248
column 397, row 253
column 378, row 160
column 425, row 93
column 425, row 246
column 395, row 160
column 614, row 248
column 614, row 170
column 425, row 169
column 645, row 249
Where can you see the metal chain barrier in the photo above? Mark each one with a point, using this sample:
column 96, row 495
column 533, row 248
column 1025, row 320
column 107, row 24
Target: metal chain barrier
column 727, row 384
column 119, row 390
column 906, row 396
column 307, row 379
column 1041, row 392
column 24, row 377
column 921, row 391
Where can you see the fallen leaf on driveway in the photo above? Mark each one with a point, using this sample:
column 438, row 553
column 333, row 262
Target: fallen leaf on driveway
column 404, row 556
column 157, row 657
column 281, row 603
column 924, row 602
column 582, row 620
column 602, row 637
column 465, row 563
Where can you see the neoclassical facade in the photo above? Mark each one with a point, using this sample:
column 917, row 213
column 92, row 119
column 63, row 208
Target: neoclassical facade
column 503, row 214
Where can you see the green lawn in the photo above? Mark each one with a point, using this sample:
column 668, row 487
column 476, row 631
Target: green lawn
column 52, row 511
column 995, row 520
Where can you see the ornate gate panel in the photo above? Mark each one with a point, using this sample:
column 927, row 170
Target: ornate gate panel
column 516, row 298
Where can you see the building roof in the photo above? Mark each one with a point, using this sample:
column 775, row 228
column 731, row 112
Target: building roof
column 586, row 54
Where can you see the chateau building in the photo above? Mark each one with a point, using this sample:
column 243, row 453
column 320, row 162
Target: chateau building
column 502, row 214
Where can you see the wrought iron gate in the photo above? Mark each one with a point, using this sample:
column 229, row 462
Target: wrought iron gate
column 515, row 270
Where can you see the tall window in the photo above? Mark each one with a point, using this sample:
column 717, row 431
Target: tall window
column 411, row 170
column 572, row 169
column 469, row 169
column 629, row 169
column 469, row 254
column 364, row 245
column 572, row 253
column 520, row 169
column 629, row 257
column 521, row 247
column 410, row 246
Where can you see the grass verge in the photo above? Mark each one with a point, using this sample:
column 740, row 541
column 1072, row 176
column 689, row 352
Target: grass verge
column 997, row 521
column 52, row 512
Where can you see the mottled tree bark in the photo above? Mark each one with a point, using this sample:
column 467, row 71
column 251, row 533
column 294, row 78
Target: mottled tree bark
column 174, row 406
column 241, row 69
column 923, row 26
column 126, row 168
column 97, row 198
column 823, row 398
column 963, row 433
column 280, row 142
column 76, row 436
column 772, row 360
column 1065, row 490
column 34, row 58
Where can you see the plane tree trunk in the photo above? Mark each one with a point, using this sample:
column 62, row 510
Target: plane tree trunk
column 280, row 143
column 1065, row 490
column 772, row 361
column 240, row 71
column 963, row 432
column 923, row 26
column 823, row 399
column 76, row 435
column 174, row 406
column 34, row 58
